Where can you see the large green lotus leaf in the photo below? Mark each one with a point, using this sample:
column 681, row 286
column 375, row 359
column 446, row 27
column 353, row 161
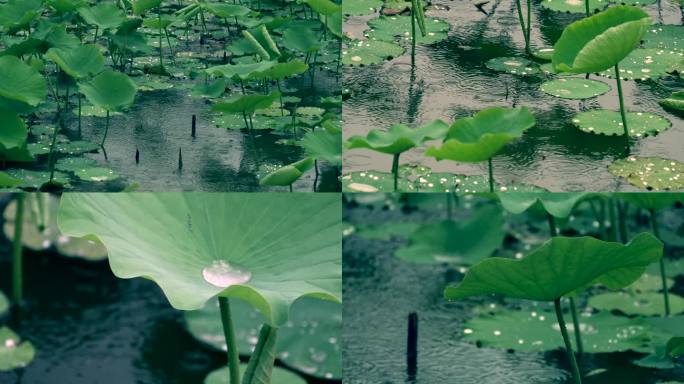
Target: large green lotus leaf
column 13, row 133
column 366, row 52
column 246, row 103
column 225, row 11
column 104, row 15
column 464, row 242
column 333, row 23
column 110, row 90
column 651, row 173
column 645, row 304
column 652, row 201
column 323, row 145
column 651, row 63
column 210, row 89
column 268, row 249
column 6, row 181
column 560, row 266
column 605, row 122
column 573, row 6
column 65, row 6
column 16, row 14
column 480, row 137
column 40, row 230
column 279, row 376
column 309, row 342
column 512, row 65
column 360, row 7
column 21, row 82
column 674, row 102
column 324, row 7
column 14, row 353
column 399, row 27
column 598, row 42
column 142, row 6
column 575, row 88
column 79, row 63
column 288, row 174
column 399, row 138
column 557, row 204
column 669, row 37
column 536, row 330
column 302, row 39
column 284, row 70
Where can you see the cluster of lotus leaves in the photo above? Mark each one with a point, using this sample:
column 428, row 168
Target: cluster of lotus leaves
column 480, row 137
column 561, row 266
column 598, row 42
column 288, row 244
column 398, row 138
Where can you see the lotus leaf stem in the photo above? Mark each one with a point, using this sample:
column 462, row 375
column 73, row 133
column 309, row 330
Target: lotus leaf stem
column 577, row 378
column 663, row 277
column 395, row 170
column 622, row 103
column 413, row 33
column 522, row 24
column 106, row 130
column 491, row 175
column 17, row 267
column 231, row 340
column 161, row 59
column 529, row 26
column 576, row 326
column 79, row 115
column 586, row 7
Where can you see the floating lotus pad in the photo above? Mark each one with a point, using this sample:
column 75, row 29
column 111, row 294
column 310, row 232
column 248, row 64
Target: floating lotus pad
column 598, row 42
column 309, row 342
column 85, row 169
column 583, row 261
column 36, row 179
column 644, row 304
column 367, row 52
column 573, row 6
column 575, row 88
column 93, row 110
column 14, row 353
column 279, row 376
column 675, row 101
column 605, row 122
column 463, row 243
column 373, row 181
column 360, row 7
column 651, row 63
column 543, row 53
column 668, row 37
column 200, row 245
column 536, row 330
column 652, row 173
column 237, row 121
column 391, row 28
column 513, row 65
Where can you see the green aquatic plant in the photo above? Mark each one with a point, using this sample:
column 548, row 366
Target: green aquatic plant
column 266, row 249
column 287, row 175
column 398, row 139
column 482, row 136
column 17, row 252
column 599, row 42
column 246, row 105
column 561, row 266
column 13, row 352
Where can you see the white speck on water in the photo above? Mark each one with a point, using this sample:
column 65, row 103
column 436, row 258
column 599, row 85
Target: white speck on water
column 223, row 275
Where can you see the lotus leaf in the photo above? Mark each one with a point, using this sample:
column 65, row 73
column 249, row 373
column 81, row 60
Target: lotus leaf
column 675, row 101
column 142, row 6
column 605, row 122
column 373, row 181
column 399, row 138
column 324, row 7
column 675, row 347
column 599, row 42
column 536, row 330
column 284, row 70
column 652, row 173
column 543, row 53
column 399, row 27
column 366, row 52
column 279, row 376
column 651, row 63
column 241, row 71
column 247, row 103
column 104, row 15
column 110, row 90
column 575, row 88
column 288, row 174
column 478, row 138
column 79, row 63
column 512, row 65
column 560, row 266
column 464, row 242
column 194, row 245
column 36, row 179
column 16, row 14
column 645, row 304
column 360, row 7
column 14, row 353
column 211, row 89
column 302, row 39
column 324, row 145
column 667, row 37
column 225, row 11
column 13, row 133
column 559, row 205
column 65, row 6
column 8, row 181
column 20, row 82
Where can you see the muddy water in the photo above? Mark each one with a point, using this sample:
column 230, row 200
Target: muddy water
column 451, row 81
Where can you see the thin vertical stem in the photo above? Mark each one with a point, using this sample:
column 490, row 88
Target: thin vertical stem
column 622, row 103
column 663, row 278
column 395, row 170
column 522, row 23
column 576, row 326
column 17, row 266
column 231, row 341
column 613, row 219
column 79, row 115
column 106, row 130
column 622, row 213
column 161, row 59
column 577, row 378
column 413, row 35
column 491, row 175
column 586, row 7
column 552, row 225
column 528, row 27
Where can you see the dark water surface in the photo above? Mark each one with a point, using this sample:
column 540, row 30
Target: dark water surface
column 451, row 81
column 380, row 290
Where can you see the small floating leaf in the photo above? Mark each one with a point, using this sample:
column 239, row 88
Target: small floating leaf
column 36, row 179
column 391, row 28
column 575, row 88
column 360, row 7
column 652, row 173
column 674, row 102
column 513, row 65
column 288, row 174
column 366, row 52
column 605, row 122
column 14, row 353
column 669, row 37
column 644, row 303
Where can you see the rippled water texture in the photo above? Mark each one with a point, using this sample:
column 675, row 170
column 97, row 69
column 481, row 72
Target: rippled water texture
column 451, row 81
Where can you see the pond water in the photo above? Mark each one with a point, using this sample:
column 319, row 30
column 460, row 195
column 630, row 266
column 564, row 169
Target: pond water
column 380, row 291
column 451, row 81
